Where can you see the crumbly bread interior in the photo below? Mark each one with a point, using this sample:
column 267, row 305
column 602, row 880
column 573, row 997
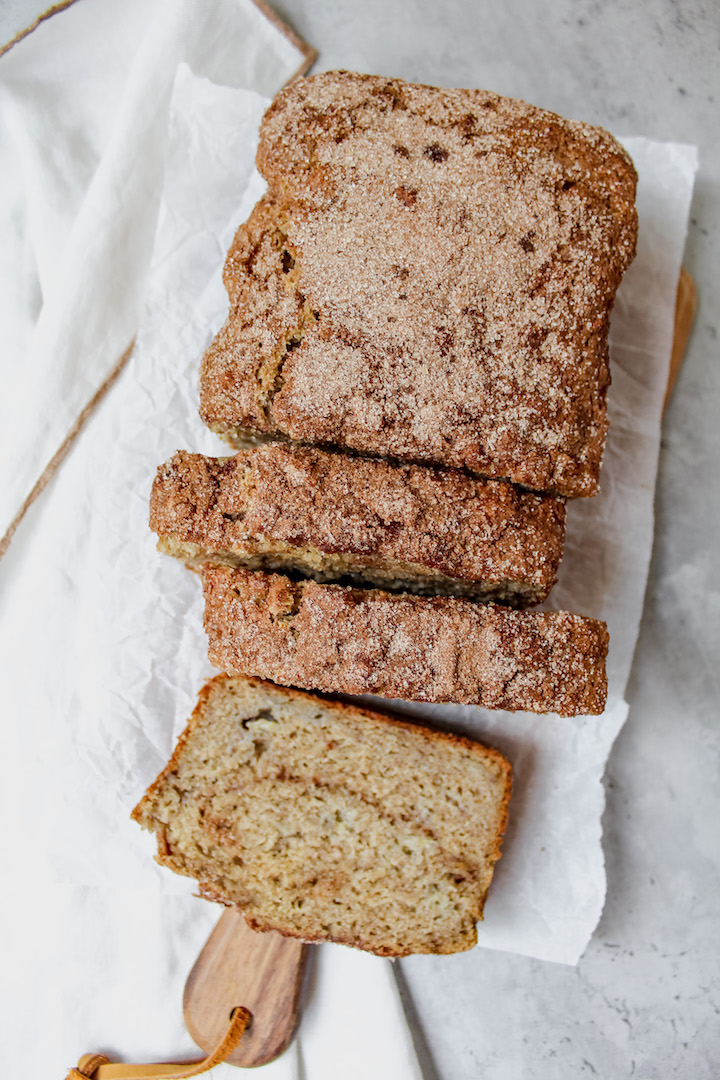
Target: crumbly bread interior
column 331, row 823
column 394, row 576
column 333, row 516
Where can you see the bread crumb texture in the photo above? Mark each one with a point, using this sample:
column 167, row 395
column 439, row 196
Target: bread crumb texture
column 331, row 516
column 430, row 278
column 368, row 641
column 331, row 823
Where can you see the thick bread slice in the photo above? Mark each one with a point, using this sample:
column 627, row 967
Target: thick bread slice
column 331, row 823
column 352, row 641
column 429, row 278
column 330, row 516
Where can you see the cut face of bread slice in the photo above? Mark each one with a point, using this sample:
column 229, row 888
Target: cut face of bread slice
column 443, row 649
column 429, row 278
column 331, row 516
column 331, row 823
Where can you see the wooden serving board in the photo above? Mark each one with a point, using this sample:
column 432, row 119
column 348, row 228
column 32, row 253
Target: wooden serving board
column 685, row 308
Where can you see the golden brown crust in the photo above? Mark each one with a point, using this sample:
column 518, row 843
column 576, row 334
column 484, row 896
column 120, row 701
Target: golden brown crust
column 440, row 649
column 235, row 739
column 429, row 278
column 329, row 515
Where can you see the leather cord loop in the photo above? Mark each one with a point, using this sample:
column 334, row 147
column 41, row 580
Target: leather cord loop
column 97, row 1066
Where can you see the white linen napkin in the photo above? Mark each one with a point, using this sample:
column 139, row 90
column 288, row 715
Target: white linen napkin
column 85, row 203
column 75, row 346
column 103, row 638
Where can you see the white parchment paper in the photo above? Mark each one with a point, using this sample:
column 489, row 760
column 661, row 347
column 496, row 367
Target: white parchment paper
column 103, row 637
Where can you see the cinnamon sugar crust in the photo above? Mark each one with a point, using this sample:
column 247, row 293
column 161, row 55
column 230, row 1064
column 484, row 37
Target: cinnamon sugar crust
column 440, row 649
column 329, row 516
column 429, row 278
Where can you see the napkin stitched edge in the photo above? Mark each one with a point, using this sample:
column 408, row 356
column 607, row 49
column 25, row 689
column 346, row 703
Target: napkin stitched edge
column 54, row 10
column 310, row 55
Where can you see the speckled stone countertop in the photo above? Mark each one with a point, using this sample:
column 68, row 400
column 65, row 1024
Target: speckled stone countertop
column 644, row 1000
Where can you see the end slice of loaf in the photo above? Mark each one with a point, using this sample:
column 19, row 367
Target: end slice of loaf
column 441, row 649
column 429, row 278
column 331, row 823
column 330, row 516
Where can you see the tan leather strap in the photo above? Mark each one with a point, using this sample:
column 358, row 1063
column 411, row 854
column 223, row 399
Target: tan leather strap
column 60, row 454
column 97, row 1066
column 33, row 26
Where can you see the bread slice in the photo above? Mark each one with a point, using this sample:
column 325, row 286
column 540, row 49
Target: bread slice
column 331, row 823
column 331, row 516
column 351, row 641
column 429, row 278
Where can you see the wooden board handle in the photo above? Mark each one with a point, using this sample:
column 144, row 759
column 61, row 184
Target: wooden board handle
column 238, row 966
